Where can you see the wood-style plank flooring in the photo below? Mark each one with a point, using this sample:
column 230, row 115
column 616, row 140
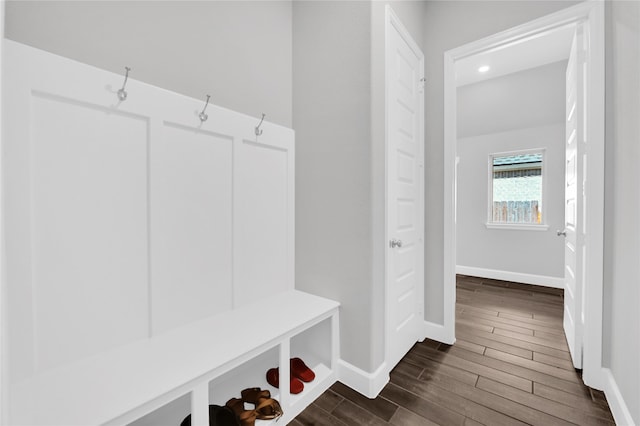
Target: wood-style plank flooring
column 510, row 365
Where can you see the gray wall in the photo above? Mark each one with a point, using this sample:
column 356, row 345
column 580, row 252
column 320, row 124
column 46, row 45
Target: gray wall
column 516, row 251
column 447, row 25
column 523, row 110
column 238, row 52
column 332, row 104
column 338, row 74
column 622, row 200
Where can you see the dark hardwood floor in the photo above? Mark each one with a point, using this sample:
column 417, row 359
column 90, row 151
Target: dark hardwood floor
column 510, row 365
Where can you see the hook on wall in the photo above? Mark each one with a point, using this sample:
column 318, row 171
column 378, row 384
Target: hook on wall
column 202, row 116
column 122, row 94
column 258, row 130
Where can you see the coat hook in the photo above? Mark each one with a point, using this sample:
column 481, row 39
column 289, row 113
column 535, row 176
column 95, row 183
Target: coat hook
column 203, row 117
column 258, row 130
column 122, row 94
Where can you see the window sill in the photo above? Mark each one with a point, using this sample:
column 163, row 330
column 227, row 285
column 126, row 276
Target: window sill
column 517, row 226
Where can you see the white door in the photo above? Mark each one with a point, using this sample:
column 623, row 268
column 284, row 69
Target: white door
column 573, row 232
column 405, row 196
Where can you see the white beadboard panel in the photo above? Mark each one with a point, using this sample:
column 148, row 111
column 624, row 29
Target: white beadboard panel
column 262, row 220
column 89, row 229
column 128, row 223
column 191, row 225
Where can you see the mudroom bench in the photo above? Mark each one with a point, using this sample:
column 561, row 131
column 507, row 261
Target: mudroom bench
column 162, row 379
column 149, row 253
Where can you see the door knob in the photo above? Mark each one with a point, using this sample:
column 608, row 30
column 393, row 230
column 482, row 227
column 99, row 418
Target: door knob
column 395, row 243
column 564, row 233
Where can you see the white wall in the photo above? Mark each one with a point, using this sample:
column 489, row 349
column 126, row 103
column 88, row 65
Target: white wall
column 538, row 253
column 523, row 110
column 621, row 328
column 238, row 52
column 447, row 25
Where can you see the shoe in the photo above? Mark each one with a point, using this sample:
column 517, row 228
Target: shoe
column 253, row 395
column 267, row 408
column 273, row 378
column 246, row 417
column 300, row 370
column 218, row 416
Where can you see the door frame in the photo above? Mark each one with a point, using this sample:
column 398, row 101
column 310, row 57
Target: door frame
column 393, row 22
column 593, row 14
column 4, row 371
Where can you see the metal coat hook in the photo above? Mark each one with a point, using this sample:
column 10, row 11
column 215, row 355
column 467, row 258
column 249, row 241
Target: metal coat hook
column 122, row 94
column 258, row 130
column 203, row 117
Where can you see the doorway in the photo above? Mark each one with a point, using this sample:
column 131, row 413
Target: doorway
column 589, row 16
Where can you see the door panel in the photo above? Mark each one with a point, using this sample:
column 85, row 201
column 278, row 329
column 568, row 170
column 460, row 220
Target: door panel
column 574, row 199
column 405, row 104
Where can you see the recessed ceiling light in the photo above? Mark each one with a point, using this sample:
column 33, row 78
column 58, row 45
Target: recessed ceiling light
column 483, row 68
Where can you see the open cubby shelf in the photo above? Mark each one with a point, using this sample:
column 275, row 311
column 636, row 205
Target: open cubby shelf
column 225, row 353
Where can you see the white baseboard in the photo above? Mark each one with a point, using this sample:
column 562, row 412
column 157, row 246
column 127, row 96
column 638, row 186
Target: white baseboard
column 516, row 277
column 438, row 333
column 619, row 409
column 368, row 384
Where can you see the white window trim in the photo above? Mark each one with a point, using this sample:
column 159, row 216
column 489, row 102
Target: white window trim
column 517, row 226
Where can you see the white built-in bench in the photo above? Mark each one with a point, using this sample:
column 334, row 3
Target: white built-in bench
column 209, row 361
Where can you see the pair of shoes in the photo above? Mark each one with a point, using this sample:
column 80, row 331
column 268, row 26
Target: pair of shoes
column 265, row 407
column 299, row 373
column 218, row 416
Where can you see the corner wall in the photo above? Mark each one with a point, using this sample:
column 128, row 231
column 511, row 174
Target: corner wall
column 339, row 118
column 621, row 319
column 332, row 119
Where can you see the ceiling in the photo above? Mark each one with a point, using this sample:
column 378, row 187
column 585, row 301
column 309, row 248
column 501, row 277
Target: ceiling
column 534, row 52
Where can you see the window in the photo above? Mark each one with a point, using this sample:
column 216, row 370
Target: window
column 516, row 196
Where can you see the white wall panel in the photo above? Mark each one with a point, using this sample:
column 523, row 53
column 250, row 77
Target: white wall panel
column 262, row 218
column 130, row 218
column 191, row 225
column 89, row 233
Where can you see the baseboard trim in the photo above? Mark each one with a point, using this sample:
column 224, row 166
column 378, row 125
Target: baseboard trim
column 517, row 277
column 619, row 409
column 438, row 333
column 368, row 384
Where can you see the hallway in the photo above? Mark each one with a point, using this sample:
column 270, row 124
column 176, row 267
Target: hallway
column 510, row 365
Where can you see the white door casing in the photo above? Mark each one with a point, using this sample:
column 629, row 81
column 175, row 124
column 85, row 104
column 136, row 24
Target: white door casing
column 590, row 15
column 405, row 195
column 573, row 232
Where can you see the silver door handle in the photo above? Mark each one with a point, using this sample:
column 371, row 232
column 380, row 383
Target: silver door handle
column 564, row 233
column 395, row 243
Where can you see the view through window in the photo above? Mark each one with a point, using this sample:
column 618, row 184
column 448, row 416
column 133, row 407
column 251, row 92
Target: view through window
column 516, row 188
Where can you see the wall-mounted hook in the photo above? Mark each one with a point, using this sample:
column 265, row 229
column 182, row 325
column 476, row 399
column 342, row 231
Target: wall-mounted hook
column 258, row 130
column 203, row 117
column 122, row 94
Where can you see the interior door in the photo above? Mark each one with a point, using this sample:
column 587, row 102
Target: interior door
column 405, row 205
column 573, row 232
